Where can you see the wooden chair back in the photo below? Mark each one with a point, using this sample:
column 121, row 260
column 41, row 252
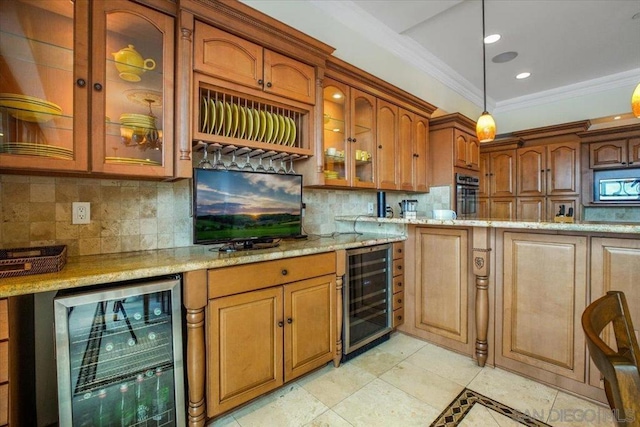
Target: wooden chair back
column 620, row 368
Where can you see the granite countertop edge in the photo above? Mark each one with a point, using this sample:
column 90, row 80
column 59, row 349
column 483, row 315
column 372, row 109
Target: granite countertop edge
column 581, row 226
column 89, row 270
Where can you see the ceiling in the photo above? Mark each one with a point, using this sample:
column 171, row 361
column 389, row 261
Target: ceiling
column 568, row 46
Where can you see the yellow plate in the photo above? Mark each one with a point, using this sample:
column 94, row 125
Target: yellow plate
column 249, row 133
column 235, row 121
column 269, row 135
column 292, row 135
column 281, row 129
column 228, row 120
column 242, row 122
column 203, row 114
column 212, row 116
column 287, row 130
column 256, row 125
column 29, row 108
column 219, row 118
column 131, row 161
column 263, row 126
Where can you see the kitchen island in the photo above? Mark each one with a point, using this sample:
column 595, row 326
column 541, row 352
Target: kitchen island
column 511, row 294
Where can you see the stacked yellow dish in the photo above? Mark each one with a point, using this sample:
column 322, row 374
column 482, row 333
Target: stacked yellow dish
column 31, row 149
column 138, row 120
column 132, row 161
column 330, row 174
column 29, row 108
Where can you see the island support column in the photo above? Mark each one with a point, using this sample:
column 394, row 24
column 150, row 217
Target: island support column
column 481, row 251
column 194, row 297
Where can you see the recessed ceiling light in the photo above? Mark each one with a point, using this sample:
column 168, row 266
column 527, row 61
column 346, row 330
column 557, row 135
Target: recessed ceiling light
column 337, row 96
column 492, row 38
column 523, row 75
column 504, row 57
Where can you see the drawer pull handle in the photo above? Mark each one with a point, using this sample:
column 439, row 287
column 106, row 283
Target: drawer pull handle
column 81, row 82
column 289, row 320
column 97, row 87
column 260, row 82
column 280, row 324
column 399, row 267
column 399, row 284
column 284, row 272
column 399, row 317
column 269, row 84
column 399, row 300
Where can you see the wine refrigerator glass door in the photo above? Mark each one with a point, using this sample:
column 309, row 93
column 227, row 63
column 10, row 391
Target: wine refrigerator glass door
column 119, row 356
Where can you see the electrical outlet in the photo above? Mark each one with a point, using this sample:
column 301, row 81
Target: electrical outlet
column 80, row 212
column 370, row 208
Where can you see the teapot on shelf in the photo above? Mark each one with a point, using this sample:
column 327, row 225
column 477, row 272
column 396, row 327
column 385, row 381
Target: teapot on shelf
column 131, row 65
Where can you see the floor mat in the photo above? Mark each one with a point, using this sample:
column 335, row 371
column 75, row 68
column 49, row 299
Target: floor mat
column 461, row 405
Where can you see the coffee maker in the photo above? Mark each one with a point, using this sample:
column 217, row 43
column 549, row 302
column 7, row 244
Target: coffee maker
column 408, row 208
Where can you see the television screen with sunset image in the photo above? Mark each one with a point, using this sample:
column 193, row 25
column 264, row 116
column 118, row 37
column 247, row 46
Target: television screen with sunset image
column 237, row 205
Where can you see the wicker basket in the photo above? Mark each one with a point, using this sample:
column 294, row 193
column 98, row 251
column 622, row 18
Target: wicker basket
column 23, row 261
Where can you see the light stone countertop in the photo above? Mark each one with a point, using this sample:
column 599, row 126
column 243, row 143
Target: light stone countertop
column 109, row 268
column 582, row 226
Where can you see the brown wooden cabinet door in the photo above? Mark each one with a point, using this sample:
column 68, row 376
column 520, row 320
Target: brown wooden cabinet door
column 485, row 179
column 503, row 173
column 531, row 166
column 473, row 154
column 615, row 266
column 607, row 154
column 421, row 150
column 563, row 169
column 531, row 208
column 226, row 56
column 289, row 78
column 539, row 304
column 442, row 286
column 634, row 152
column 484, row 208
column 406, row 134
column 502, row 208
column 461, row 145
column 309, row 330
column 244, row 356
column 336, row 134
column 387, row 138
column 363, row 138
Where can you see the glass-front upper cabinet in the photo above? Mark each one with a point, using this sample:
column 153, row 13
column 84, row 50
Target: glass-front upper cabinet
column 54, row 114
column 132, row 111
column 349, row 136
column 39, row 64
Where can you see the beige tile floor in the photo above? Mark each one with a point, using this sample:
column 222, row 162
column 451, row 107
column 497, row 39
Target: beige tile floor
column 408, row 382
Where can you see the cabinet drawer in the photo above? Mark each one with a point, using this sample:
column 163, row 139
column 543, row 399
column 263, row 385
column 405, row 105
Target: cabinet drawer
column 242, row 278
column 4, row 361
column 398, row 250
column 4, row 404
column 398, row 267
column 4, row 319
column 398, row 317
column 398, row 301
column 398, row 283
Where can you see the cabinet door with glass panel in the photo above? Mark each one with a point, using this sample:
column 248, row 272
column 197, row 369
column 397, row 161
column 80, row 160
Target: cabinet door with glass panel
column 349, row 136
column 44, row 84
column 132, row 93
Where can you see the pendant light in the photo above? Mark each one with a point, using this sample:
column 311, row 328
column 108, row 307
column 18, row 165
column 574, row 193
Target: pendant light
column 486, row 126
column 635, row 102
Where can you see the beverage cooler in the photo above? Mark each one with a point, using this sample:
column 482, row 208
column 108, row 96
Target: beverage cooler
column 119, row 356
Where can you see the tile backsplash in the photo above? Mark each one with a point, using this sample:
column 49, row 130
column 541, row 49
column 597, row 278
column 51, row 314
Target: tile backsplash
column 138, row 215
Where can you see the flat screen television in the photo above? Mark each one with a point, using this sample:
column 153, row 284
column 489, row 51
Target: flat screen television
column 244, row 206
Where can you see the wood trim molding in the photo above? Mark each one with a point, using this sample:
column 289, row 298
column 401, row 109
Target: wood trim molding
column 554, row 130
column 456, row 120
column 606, row 134
column 255, row 26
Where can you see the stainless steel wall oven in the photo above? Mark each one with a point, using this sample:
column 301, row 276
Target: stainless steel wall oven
column 367, row 298
column 466, row 203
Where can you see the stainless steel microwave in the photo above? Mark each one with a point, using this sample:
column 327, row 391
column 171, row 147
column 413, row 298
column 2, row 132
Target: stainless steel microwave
column 620, row 185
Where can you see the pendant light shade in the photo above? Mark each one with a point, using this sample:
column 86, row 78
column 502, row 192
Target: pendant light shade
column 635, row 102
column 486, row 126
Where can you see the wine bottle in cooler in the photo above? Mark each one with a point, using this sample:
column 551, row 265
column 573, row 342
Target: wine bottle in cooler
column 160, row 397
column 125, row 407
column 142, row 402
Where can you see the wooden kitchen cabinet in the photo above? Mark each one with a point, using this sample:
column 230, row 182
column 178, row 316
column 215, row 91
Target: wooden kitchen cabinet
column 615, row 266
column 349, row 135
column 398, row 285
column 501, row 208
column 549, row 170
column 237, row 60
column 538, row 310
column 387, row 140
column 4, row 362
column 413, row 146
column 78, row 71
column 439, row 296
column 500, row 175
column 261, row 336
column 467, row 150
column 615, row 154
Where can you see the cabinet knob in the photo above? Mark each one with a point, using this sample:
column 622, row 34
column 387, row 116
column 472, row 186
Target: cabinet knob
column 284, row 272
column 624, row 163
column 350, row 139
column 81, row 82
column 280, row 324
column 399, row 317
column 630, row 163
column 289, row 320
column 548, row 170
column 260, row 82
column 541, row 170
column 97, row 87
column 399, row 300
column 399, row 284
column 399, row 267
column 380, row 146
column 354, row 140
column 269, row 84
column 400, row 250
